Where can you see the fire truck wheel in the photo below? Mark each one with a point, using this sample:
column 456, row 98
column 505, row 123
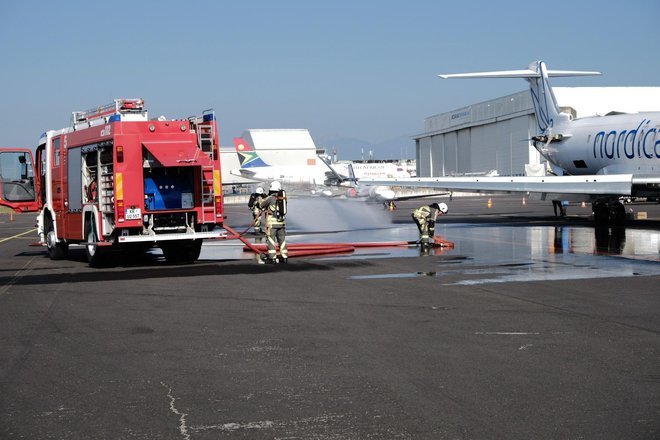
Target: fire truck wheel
column 95, row 257
column 56, row 250
column 182, row 252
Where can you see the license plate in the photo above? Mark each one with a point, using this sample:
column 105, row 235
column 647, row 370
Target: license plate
column 133, row 214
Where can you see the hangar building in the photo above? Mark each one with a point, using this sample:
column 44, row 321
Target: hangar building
column 496, row 135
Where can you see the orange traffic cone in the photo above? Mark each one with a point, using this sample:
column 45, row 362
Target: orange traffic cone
column 490, row 203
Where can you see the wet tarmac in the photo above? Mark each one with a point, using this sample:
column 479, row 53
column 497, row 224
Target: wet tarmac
column 562, row 249
column 531, row 326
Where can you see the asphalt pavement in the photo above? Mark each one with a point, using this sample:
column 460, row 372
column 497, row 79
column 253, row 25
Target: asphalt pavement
column 512, row 334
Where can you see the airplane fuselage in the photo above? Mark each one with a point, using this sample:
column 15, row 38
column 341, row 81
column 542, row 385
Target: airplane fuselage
column 289, row 175
column 371, row 193
column 616, row 144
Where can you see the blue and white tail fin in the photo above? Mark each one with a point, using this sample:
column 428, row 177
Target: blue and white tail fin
column 545, row 103
column 247, row 156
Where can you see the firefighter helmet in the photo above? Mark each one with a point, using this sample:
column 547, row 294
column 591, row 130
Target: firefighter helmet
column 260, row 190
column 443, row 207
column 275, row 186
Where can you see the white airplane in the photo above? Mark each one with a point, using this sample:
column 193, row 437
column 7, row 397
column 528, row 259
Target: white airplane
column 600, row 158
column 254, row 167
column 320, row 177
column 372, row 169
column 355, row 190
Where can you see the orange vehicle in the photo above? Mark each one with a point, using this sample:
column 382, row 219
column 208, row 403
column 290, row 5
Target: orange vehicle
column 117, row 181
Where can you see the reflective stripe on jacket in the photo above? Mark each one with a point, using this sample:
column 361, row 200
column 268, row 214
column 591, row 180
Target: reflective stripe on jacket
column 422, row 212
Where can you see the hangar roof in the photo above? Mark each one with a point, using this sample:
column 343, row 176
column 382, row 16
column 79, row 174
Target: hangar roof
column 585, row 101
column 280, row 139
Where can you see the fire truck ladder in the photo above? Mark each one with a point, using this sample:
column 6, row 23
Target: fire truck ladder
column 101, row 114
column 205, row 132
column 208, row 195
column 206, row 140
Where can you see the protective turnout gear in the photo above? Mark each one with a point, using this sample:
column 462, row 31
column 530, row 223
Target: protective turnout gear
column 275, row 206
column 255, row 205
column 424, row 217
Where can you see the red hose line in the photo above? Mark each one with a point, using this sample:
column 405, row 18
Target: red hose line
column 245, row 241
column 306, row 249
column 309, row 252
column 307, row 246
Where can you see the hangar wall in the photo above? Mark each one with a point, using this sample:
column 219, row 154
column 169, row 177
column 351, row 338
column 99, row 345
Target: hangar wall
column 496, row 134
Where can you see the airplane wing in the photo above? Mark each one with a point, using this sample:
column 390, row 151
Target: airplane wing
column 420, row 196
column 589, row 185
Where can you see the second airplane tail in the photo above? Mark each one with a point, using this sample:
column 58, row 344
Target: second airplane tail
column 247, row 156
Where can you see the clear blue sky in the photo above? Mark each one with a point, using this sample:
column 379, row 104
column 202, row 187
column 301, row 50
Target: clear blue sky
column 361, row 69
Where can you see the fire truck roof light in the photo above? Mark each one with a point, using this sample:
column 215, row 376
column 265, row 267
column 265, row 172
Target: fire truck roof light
column 115, row 118
column 132, row 104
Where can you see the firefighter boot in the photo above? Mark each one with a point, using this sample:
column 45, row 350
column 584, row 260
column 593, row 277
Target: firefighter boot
column 267, row 259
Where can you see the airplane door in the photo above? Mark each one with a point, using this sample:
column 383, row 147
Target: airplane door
column 18, row 187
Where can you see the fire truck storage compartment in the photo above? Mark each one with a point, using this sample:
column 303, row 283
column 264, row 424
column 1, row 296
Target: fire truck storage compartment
column 74, row 179
column 169, row 188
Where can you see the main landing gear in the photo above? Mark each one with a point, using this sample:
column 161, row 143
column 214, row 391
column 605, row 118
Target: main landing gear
column 609, row 214
column 610, row 229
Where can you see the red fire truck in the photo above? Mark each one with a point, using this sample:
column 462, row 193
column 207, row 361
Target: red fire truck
column 117, row 181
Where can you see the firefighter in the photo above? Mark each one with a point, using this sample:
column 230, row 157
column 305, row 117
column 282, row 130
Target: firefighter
column 425, row 217
column 274, row 205
column 255, row 205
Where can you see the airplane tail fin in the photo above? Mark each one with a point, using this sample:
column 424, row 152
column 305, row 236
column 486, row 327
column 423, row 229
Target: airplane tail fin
column 247, row 156
column 351, row 174
column 333, row 178
column 545, row 103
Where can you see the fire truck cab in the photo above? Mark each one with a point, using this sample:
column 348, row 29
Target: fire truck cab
column 116, row 180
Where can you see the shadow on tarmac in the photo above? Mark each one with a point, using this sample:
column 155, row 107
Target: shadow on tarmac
column 151, row 267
